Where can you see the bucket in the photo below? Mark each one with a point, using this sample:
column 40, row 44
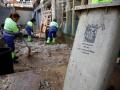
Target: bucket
column 6, row 62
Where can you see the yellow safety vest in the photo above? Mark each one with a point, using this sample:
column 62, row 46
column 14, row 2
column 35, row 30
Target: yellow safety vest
column 100, row 1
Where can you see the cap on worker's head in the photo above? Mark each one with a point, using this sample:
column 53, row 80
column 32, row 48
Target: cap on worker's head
column 2, row 26
column 55, row 20
column 14, row 15
column 33, row 20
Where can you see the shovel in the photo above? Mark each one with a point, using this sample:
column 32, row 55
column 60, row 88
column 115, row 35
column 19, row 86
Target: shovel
column 29, row 49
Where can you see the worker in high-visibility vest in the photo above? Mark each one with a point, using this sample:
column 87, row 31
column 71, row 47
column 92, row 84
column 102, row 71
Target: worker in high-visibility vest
column 101, row 1
column 10, row 31
column 29, row 29
column 53, row 28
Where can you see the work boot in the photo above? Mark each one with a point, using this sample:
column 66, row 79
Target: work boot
column 48, row 40
column 29, row 39
column 13, row 55
column 53, row 40
column 14, row 58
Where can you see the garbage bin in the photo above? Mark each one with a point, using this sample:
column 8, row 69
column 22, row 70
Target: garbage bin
column 6, row 62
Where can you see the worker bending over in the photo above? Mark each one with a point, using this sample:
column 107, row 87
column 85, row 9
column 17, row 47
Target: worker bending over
column 10, row 32
column 29, row 29
column 52, row 31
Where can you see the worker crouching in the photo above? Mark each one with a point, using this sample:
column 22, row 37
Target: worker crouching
column 52, row 32
column 29, row 29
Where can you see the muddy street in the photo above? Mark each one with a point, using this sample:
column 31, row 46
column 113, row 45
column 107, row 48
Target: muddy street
column 46, row 67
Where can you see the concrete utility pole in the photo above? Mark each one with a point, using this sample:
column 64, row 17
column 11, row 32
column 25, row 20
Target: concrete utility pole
column 95, row 47
column 53, row 3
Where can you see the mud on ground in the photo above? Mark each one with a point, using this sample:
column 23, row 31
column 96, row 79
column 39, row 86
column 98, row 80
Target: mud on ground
column 49, row 62
column 45, row 69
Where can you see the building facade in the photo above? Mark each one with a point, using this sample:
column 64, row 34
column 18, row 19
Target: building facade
column 19, row 3
column 57, row 9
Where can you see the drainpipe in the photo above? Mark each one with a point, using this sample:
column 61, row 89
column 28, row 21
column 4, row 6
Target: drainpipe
column 68, row 14
column 53, row 9
column 73, row 18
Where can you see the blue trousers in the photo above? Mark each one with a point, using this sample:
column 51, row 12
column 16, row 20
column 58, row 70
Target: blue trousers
column 9, row 40
column 52, row 32
column 29, row 30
